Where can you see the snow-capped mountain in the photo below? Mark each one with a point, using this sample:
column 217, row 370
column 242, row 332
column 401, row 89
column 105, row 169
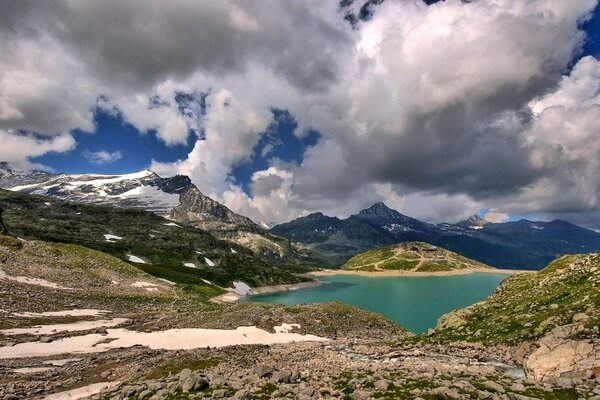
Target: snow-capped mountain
column 144, row 190
column 174, row 197
column 474, row 222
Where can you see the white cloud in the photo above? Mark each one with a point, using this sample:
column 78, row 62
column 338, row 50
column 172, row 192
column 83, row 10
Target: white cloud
column 102, row 156
column 439, row 111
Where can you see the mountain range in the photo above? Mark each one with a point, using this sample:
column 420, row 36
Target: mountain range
column 315, row 238
column 519, row 244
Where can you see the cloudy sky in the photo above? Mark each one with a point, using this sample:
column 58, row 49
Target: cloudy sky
column 277, row 108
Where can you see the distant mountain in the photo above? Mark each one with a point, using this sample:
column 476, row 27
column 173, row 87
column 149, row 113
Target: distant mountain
column 413, row 257
column 331, row 240
column 173, row 197
column 514, row 245
column 473, row 222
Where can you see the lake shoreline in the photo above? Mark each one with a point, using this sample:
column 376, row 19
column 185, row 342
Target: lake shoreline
column 232, row 297
column 332, row 272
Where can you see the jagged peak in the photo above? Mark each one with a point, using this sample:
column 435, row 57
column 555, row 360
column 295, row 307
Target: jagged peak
column 378, row 207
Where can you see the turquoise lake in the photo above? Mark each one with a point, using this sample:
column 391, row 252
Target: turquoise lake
column 416, row 303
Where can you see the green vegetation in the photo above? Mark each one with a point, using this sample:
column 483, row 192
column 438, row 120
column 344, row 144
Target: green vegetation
column 529, row 305
column 174, row 365
column 164, row 245
column 411, row 256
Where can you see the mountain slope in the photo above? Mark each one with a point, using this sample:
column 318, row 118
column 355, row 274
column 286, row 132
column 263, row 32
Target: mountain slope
column 175, row 197
column 159, row 246
column 411, row 256
column 331, row 240
column 196, row 209
column 553, row 315
column 513, row 245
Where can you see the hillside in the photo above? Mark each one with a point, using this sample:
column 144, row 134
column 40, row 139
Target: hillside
column 159, row 246
column 519, row 244
column 175, row 197
column 413, row 257
column 553, row 316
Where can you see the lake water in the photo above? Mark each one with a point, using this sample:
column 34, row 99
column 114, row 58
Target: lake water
column 416, row 303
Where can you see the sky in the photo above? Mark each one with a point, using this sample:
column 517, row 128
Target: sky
column 441, row 109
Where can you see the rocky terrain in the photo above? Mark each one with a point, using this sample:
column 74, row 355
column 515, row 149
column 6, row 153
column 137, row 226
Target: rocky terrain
column 412, row 257
column 510, row 245
column 78, row 323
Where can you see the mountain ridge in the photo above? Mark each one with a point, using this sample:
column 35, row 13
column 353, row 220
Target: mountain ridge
column 520, row 244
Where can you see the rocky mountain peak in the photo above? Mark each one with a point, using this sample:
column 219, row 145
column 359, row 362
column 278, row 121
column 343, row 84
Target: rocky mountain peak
column 194, row 207
column 379, row 209
column 474, row 222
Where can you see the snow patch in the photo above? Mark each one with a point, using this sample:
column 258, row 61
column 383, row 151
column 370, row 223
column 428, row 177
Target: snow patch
column 84, row 392
column 190, row 265
column 32, row 370
column 135, row 259
column 172, row 339
column 209, row 262
column 207, row 282
column 32, row 281
column 233, row 251
column 84, row 312
column 72, row 327
column 111, row 238
column 172, row 224
column 240, row 288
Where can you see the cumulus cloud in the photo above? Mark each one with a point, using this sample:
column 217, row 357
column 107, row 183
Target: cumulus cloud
column 102, row 156
column 440, row 110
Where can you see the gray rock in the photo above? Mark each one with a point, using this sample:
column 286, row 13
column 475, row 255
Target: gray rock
column 192, row 382
column 219, row 394
column 382, row 385
column 493, row 386
column 264, row 370
column 360, row 395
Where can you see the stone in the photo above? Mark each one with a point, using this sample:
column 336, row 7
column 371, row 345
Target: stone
column 493, row 386
column 243, row 394
column 360, row 395
column 219, row 394
column 518, row 387
column 264, row 370
column 192, row 382
column 446, row 392
column 381, row 385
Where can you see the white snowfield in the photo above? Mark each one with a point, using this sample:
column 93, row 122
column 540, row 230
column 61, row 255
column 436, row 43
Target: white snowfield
column 233, row 251
column 209, row 262
column 84, row 391
column 189, row 265
column 286, row 328
column 135, row 259
column 72, row 327
column 172, row 224
column 172, row 339
column 32, row 281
